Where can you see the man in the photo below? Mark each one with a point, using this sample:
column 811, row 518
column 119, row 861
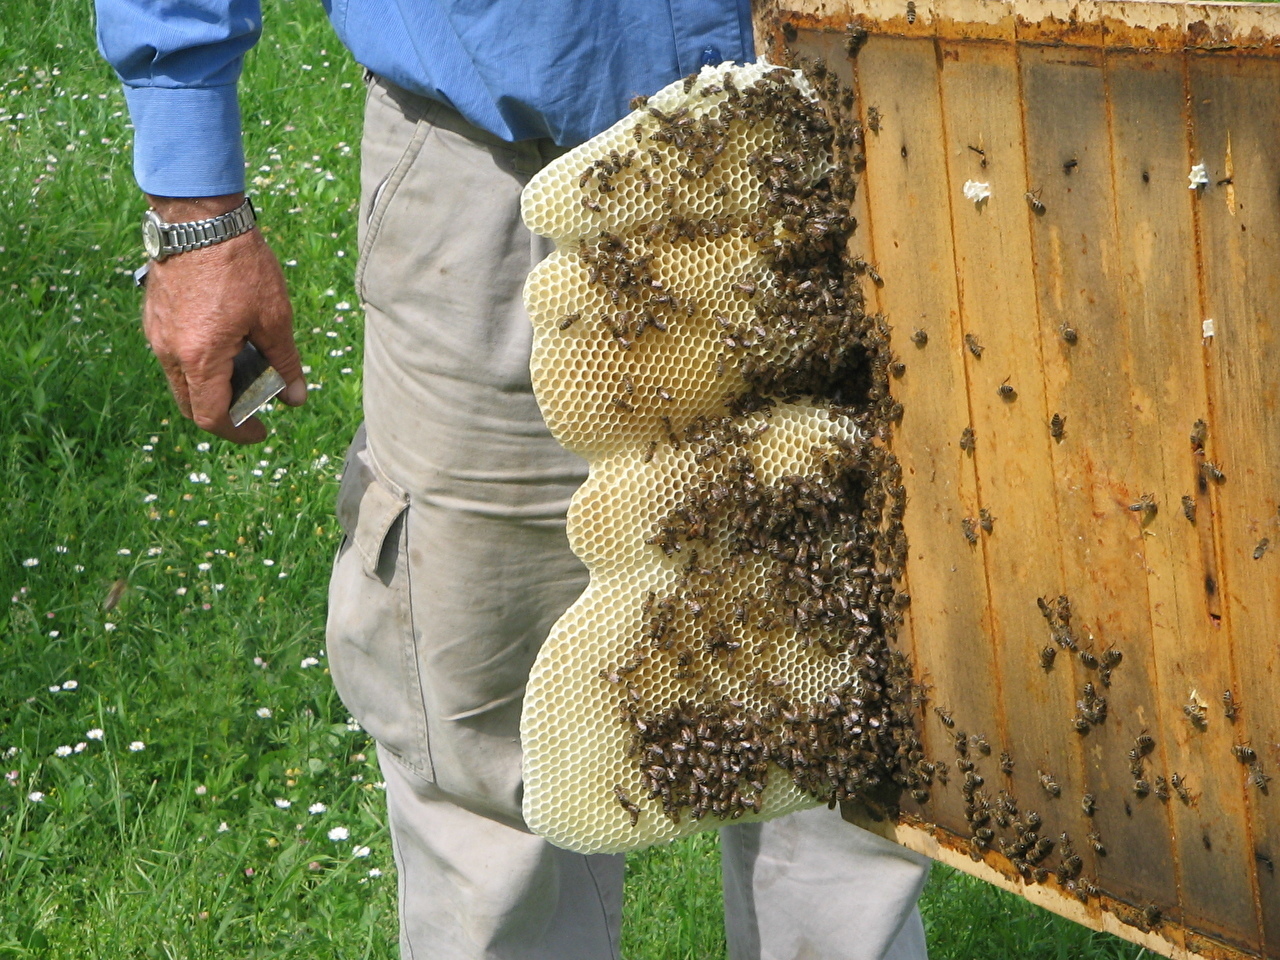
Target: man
column 455, row 563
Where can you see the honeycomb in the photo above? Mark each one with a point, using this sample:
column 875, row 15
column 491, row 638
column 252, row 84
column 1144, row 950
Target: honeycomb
column 699, row 338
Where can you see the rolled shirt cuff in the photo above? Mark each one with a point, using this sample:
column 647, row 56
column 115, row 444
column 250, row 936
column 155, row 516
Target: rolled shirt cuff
column 186, row 140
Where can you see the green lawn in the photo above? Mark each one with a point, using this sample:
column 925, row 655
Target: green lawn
column 213, row 800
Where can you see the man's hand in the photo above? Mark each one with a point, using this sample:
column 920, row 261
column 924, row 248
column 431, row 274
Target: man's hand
column 200, row 308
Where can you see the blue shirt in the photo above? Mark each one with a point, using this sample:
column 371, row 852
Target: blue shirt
column 564, row 69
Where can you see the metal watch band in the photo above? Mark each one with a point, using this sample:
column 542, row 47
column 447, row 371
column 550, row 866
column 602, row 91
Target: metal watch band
column 196, row 234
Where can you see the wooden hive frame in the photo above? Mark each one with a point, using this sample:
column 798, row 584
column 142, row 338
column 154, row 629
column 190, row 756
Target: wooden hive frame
column 1086, row 120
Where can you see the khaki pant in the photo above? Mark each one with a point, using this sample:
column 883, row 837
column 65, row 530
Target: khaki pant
column 456, row 565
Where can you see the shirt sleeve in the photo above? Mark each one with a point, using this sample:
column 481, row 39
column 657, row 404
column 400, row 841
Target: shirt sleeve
column 179, row 63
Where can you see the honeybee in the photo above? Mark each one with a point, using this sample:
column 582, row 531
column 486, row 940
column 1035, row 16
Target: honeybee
column 975, row 348
column 1057, row 426
column 1146, row 505
column 1033, row 198
column 1068, row 333
column 920, row 338
column 1199, row 433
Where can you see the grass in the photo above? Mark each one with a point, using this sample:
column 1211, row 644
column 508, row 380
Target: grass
column 205, row 839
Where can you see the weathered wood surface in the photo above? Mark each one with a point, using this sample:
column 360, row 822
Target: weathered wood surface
column 1086, row 120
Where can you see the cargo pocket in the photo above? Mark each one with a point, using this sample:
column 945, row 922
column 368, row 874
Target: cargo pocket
column 370, row 637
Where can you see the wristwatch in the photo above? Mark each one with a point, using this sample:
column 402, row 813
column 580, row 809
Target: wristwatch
column 163, row 240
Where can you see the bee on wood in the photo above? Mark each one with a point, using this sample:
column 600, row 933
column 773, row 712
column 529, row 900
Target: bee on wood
column 1088, row 803
column 911, row 11
column 1144, row 743
column 973, row 345
column 1258, row 778
column 1006, row 390
column 1057, row 426
column 873, row 118
column 945, row 717
column 897, row 368
column 1151, row 915
column 920, row 338
column 1146, row 505
column 1199, row 433
column 979, row 741
column 1047, row 656
column 1095, row 841
column 986, row 520
column 1068, row 333
column 1111, row 658
column 1261, row 548
column 1006, row 762
column 969, row 527
column 1179, row 784
column 1211, row 471
column 568, row 320
column 1230, row 708
column 1049, row 784
column 1189, row 507
column 1161, row 790
column 854, row 38
column 1244, row 753
column 967, row 443
column 1141, row 788
column 1070, row 165
column 1195, row 712
column 1033, row 198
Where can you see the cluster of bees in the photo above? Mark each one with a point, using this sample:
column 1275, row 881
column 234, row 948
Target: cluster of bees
column 830, row 542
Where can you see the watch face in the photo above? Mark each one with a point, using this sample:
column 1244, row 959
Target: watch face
column 151, row 237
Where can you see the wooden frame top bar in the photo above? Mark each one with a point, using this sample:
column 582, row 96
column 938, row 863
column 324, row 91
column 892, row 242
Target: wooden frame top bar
column 1250, row 28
